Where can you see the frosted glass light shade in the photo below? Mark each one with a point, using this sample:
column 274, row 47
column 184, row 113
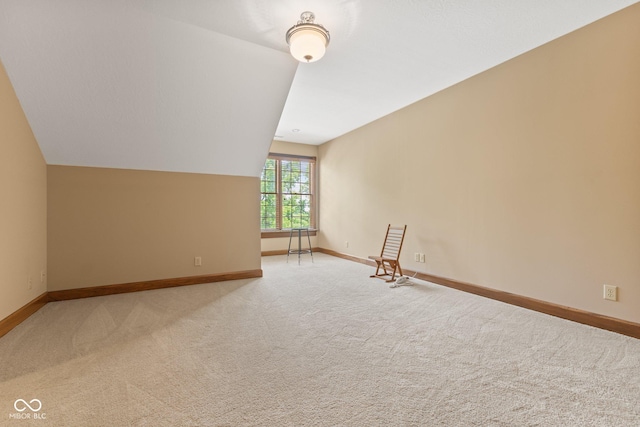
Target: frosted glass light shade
column 307, row 45
column 307, row 41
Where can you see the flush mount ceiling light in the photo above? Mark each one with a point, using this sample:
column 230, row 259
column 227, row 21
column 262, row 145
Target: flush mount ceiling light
column 307, row 40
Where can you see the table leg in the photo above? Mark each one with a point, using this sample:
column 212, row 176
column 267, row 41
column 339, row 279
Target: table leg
column 289, row 250
column 309, row 240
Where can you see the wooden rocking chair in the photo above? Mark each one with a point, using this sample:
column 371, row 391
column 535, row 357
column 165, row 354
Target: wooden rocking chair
column 388, row 263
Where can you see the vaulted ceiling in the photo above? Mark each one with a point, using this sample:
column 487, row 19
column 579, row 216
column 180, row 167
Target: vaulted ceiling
column 205, row 85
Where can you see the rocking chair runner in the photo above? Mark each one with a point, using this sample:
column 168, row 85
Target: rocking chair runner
column 389, row 261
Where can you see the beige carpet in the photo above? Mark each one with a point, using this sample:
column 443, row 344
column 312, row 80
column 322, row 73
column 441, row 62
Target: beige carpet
column 314, row 345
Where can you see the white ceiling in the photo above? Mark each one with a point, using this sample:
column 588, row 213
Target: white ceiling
column 204, row 85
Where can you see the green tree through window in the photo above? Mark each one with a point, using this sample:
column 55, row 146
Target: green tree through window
column 287, row 196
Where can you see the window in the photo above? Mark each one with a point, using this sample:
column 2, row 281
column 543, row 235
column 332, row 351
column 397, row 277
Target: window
column 287, row 193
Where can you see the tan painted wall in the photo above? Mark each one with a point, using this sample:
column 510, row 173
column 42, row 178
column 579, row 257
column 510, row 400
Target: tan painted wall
column 525, row 178
column 23, row 206
column 109, row 226
column 283, row 147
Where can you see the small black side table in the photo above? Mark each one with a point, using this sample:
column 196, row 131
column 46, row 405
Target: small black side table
column 299, row 251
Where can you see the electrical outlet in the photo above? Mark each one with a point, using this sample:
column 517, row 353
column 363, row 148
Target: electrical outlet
column 416, row 257
column 610, row 292
column 197, row 261
column 42, row 276
column 346, row 244
column 422, row 258
column 30, row 285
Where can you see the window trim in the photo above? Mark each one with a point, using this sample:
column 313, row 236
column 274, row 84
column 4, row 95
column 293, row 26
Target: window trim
column 285, row 232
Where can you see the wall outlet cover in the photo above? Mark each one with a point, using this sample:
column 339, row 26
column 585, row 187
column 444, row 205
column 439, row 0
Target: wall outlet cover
column 610, row 292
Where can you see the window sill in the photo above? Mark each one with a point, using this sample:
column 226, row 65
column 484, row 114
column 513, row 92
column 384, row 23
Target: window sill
column 283, row 233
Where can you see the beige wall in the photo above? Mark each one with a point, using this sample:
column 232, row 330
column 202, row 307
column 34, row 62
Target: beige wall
column 23, row 206
column 525, row 178
column 283, row 147
column 109, row 226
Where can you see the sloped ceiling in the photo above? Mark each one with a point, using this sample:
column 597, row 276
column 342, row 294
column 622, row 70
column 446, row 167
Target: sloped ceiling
column 111, row 84
column 205, row 85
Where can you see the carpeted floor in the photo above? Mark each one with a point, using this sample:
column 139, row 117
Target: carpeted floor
column 313, row 345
